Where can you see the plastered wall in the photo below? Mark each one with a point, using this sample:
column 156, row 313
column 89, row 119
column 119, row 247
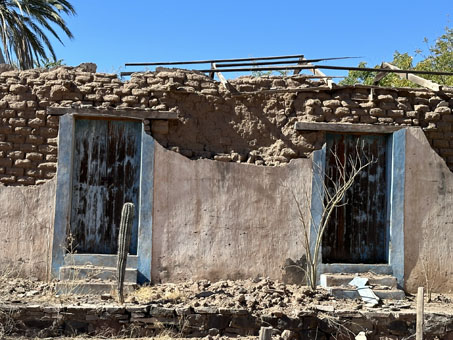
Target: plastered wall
column 218, row 220
column 428, row 225
column 26, row 229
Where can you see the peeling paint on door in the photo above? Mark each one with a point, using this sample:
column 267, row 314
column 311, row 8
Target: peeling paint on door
column 357, row 230
column 106, row 174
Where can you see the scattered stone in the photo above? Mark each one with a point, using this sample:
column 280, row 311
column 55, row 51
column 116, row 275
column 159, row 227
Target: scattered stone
column 106, row 297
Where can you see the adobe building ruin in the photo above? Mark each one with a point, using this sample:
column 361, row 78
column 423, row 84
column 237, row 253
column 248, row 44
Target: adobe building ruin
column 213, row 173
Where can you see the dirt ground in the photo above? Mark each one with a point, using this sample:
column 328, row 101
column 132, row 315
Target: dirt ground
column 260, row 296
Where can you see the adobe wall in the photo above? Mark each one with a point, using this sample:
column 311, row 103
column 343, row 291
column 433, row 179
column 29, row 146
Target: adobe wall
column 253, row 128
column 26, row 229
column 428, row 216
column 215, row 220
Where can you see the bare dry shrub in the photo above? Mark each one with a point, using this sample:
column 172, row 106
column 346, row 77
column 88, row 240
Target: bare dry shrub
column 331, row 193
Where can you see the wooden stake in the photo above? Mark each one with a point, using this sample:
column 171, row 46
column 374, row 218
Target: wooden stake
column 265, row 333
column 420, row 317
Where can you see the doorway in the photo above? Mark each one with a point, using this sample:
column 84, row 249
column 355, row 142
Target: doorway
column 120, row 166
column 358, row 230
column 105, row 175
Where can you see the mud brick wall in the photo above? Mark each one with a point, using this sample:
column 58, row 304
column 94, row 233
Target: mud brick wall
column 256, row 128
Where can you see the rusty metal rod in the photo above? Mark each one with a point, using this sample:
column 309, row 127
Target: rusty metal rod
column 282, row 62
column 328, row 67
column 212, row 60
column 129, row 73
column 311, row 67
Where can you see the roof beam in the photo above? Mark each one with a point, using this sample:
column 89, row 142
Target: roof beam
column 222, row 79
column 317, row 72
column 140, row 114
column 345, row 127
column 409, row 76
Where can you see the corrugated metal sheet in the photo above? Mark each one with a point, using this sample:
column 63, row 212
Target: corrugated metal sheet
column 106, row 174
column 357, row 231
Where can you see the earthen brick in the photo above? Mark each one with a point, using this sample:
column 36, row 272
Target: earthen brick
column 16, row 139
column 15, row 154
column 6, row 162
column 18, row 122
column 23, row 163
column 34, row 156
column 15, row 171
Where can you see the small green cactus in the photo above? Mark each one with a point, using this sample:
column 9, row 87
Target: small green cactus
column 124, row 240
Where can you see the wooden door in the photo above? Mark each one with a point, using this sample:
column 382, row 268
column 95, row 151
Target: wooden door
column 357, row 231
column 106, row 174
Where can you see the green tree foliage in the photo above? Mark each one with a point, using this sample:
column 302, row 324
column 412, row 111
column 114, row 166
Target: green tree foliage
column 24, row 26
column 439, row 57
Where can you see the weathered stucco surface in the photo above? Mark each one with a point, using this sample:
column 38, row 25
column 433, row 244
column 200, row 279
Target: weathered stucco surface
column 217, row 220
column 428, row 223
column 26, row 228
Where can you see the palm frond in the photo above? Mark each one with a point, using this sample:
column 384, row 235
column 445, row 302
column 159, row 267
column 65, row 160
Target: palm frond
column 24, row 29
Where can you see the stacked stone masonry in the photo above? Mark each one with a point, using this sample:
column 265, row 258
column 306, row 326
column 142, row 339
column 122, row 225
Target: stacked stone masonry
column 255, row 127
column 147, row 320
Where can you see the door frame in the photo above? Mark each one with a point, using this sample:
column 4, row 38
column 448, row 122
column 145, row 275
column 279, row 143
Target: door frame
column 396, row 149
column 64, row 190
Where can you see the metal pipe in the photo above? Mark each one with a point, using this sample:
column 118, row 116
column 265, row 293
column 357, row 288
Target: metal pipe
column 329, row 67
column 212, row 61
column 283, row 62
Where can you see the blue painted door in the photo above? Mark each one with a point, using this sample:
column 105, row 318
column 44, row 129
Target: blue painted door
column 358, row 230
column 106, row 174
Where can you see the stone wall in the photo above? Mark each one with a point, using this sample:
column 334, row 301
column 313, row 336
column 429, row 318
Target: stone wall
column 253, row 127
column 145, row 320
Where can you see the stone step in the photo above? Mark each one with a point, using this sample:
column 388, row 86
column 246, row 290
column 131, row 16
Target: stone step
column 68, row 273
column 91, row 288
column 101, row 260
column 336, row 280
column 351, row 293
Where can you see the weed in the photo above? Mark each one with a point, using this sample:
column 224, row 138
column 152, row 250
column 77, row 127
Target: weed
column 152, row 293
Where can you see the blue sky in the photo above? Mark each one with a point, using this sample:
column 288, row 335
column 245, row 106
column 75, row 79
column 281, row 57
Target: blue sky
column 111, row 33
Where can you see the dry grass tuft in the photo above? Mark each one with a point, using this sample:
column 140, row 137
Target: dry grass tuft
column 146, row 294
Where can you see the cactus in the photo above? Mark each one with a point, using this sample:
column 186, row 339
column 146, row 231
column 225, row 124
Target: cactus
column 124, row 239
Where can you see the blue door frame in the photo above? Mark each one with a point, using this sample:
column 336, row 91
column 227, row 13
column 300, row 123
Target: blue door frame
column 396, row 148
column 64, row 190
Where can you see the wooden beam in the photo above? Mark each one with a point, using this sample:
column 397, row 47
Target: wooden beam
column 420, row 314
column 301, row 61
column 290, row 90
column 211, row 74
column 224, row 82
column 379, row 77
column 346, row 127
column 118, row 113
column 413, row 78
column 265, row 333
column 317, row 72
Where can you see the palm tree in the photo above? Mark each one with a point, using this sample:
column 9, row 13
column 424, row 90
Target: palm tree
column 23, row 28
